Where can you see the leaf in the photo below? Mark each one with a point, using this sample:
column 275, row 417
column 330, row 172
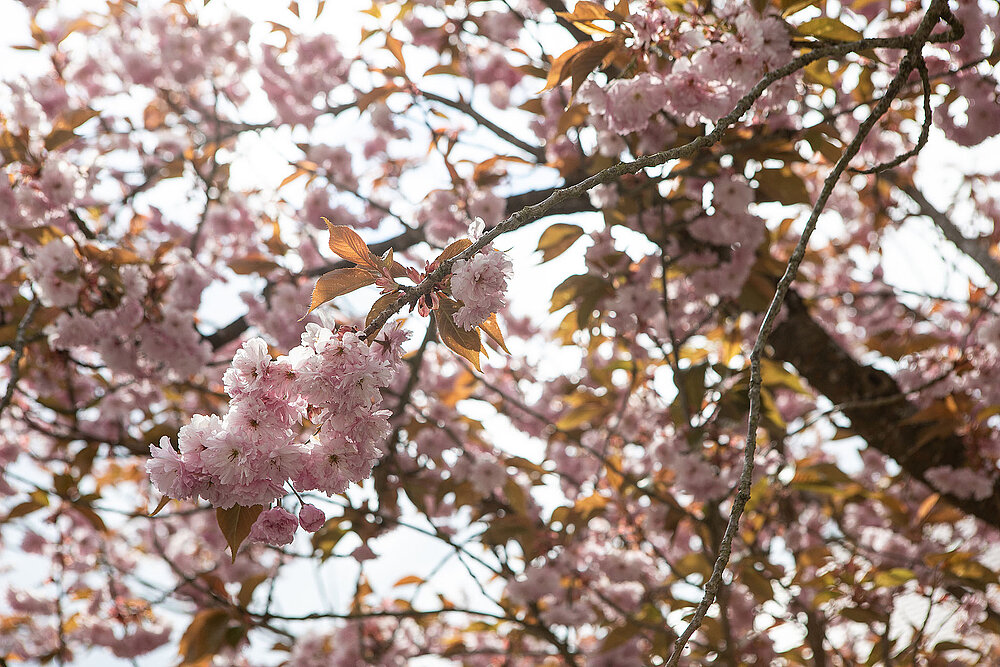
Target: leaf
column 411, row 579
column 865, row 616
column 378, row 308
column 163, row 503
column 781, row 185
column 396, row 49
column 235, row 524
column 62, row 129
column 255, row 263
column 585, row 10
column 347, row 244
column 829, row 29
column 250, row 584
column 337, row 283
column 897, row 576
column 463, row 343
column 204, row 636
column 492, row 329
column 299, row 171
column 578, row 63
column 114, row 256
column 557, row 239
column 452, row 250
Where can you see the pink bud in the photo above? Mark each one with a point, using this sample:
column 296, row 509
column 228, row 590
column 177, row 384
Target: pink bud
column 311, row 518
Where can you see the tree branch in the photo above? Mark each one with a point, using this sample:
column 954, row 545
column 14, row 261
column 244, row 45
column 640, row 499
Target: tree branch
column 878, row 409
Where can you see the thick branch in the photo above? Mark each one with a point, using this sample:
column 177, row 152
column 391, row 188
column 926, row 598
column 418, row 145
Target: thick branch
column 877, row 407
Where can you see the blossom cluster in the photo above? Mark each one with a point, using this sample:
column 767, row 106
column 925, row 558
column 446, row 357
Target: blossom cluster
column 333, row 379
column 480, row 283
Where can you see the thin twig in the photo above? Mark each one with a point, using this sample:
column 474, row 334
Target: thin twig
column 907, row 64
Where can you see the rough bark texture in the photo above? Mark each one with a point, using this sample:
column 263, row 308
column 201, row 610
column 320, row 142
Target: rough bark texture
column 800, row 341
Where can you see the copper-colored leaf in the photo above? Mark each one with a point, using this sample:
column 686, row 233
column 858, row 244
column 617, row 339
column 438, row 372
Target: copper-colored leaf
column 114, row 256
column 378, row 308
column 346, row 243
column 492, row 329
column 396, row 49
column 255, row 263
column 586, row 10
column 235, row 524
column 557, row 239
column 578, row 62
column 337, row 283
column 62, row 129
column 299, row 171
column 163, row 503
column 204, row 637
column 411, row 579
column 830, row 29
column 463, row 343
column 453, row 249
column 250, row 584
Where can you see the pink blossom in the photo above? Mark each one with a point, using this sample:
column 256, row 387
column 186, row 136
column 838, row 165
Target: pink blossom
column 631, row 102
column 480, row 283
column 961, row 482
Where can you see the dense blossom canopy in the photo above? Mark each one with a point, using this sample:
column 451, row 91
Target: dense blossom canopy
column 493, row 332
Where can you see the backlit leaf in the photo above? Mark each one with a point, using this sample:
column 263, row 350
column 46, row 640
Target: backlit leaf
column 454, row 249
column 464, row 343
column 204, row 637
column 557, row 239
column 825, row 27
column 347, row 244
column 492, row 329
column 337, row 283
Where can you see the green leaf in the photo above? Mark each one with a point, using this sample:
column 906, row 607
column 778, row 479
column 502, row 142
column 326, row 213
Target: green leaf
column 897, row 576
column 337, row 283
column 235, row 524
column 557, row 239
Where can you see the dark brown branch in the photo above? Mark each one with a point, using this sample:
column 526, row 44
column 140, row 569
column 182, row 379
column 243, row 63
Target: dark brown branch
column 877, row 407
column 536, row 152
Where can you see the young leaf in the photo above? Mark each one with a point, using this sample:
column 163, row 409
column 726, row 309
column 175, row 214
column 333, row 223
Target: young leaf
column 163, row 503
column 492, row 329
column 455, row 248
column 235, row 524
column 586, row 10
column 346, row 243
column 557, row 239
column 463, row 343
column 578, row 62
column 380, row 305
column 337, row 283
column 829, row 29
